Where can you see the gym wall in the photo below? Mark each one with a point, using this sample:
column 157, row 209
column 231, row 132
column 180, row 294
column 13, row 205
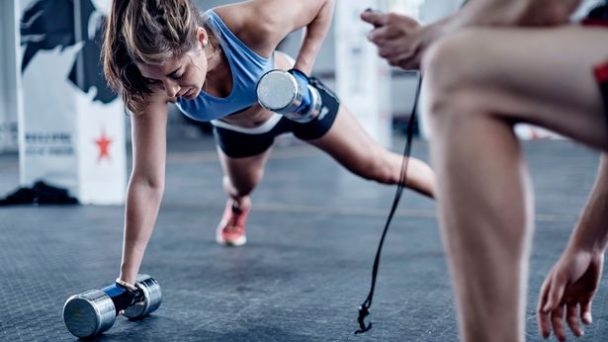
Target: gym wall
column 9, row 85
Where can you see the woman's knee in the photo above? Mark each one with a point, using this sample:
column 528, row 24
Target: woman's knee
column 457, row 59
column 378, row 167
column 453, row 76
column 242, row 185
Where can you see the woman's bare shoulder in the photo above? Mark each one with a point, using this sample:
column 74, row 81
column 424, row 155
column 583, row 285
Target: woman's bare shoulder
column 254, row 25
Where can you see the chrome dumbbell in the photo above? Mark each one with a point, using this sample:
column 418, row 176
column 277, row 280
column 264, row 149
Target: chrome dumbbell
column 290, row 94
column 93, row 312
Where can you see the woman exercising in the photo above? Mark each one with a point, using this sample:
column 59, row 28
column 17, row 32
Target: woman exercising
column 157, row 52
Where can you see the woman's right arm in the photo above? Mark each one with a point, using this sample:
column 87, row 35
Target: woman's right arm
column 146, row 185
column 573, row 281
column 592, row 230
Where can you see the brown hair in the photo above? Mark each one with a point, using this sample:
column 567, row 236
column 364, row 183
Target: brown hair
column 145, row 31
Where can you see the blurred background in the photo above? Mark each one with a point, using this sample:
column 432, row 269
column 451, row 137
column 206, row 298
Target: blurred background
column 61, row 124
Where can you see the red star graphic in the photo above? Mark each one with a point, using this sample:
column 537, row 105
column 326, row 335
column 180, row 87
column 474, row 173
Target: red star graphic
column 103, row 143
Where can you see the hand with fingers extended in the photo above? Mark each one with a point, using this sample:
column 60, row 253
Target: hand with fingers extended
column 567, row 292
column 401, row 40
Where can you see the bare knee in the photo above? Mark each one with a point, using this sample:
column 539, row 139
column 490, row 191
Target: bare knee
column 453, row 78
column 242, row 186
column 378, row 168
column 456, row 60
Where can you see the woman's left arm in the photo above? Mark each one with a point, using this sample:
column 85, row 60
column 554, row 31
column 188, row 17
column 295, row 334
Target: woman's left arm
column 314, row 35
column 280, row 17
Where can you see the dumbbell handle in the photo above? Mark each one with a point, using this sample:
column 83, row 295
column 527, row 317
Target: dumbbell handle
column 302, row 79
column 121, row 296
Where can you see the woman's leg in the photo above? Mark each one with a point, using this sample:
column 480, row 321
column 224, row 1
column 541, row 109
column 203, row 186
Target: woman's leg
column 243, row 156
column 351, row 146
column 478, row 84
column 241, row 175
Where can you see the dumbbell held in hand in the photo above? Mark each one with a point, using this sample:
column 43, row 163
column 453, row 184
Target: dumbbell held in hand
column 289, row 93
column 93, row 312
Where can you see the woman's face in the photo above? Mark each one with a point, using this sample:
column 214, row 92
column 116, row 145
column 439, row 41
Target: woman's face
column 182, row 76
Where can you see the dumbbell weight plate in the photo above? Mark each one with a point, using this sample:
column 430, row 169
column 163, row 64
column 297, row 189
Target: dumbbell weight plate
column 279, row 91
column 152, row 295
column 89, row 313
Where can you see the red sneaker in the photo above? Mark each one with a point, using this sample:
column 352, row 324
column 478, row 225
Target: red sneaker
column 231, row 230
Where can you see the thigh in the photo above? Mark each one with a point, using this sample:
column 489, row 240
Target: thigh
column 243, row 154
column 348, row 143
column 338, row 133
column 244, row 172
column 540, row 76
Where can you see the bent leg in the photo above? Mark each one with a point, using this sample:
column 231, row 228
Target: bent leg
column 243, row 156
column 478, row 84
column 241, row 175
column 351, row 146
column 538, row 76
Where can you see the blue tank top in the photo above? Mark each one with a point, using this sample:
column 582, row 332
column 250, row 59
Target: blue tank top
column 246, row 68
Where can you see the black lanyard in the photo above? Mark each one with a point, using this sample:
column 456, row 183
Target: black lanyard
column 364, row 308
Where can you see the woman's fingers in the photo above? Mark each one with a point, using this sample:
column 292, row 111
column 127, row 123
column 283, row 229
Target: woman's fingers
column 586, row 311
column 556, row 292
column 572, row 318
column 557, row 318
column 375, row 18
column 543, row 316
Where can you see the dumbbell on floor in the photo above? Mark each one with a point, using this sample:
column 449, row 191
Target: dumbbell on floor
column 93, row 312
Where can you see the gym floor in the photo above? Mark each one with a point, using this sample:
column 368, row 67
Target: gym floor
column 306, row 268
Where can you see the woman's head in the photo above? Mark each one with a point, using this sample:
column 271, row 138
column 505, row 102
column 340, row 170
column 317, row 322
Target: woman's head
column 152, row 44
